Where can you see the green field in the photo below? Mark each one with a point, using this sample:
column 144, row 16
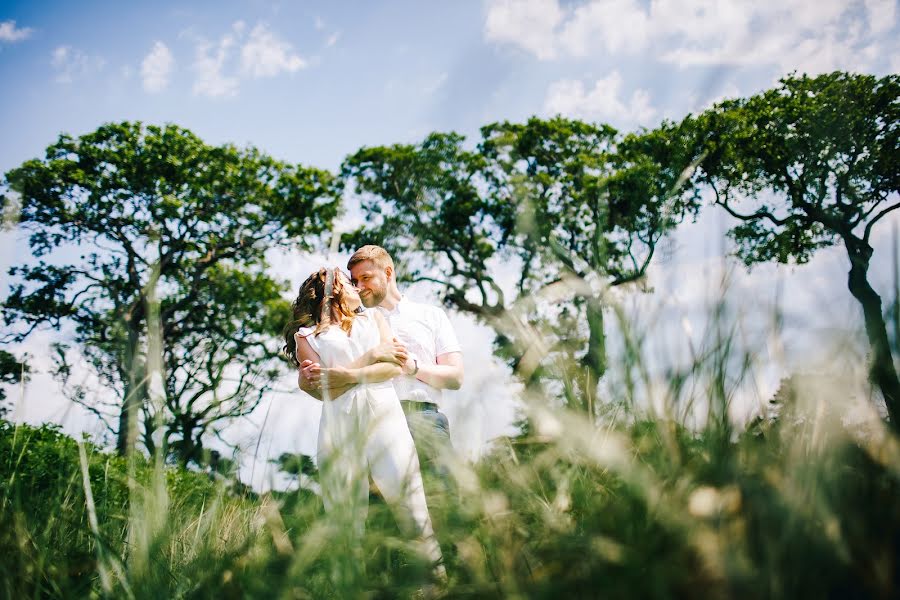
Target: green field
column 793, row 508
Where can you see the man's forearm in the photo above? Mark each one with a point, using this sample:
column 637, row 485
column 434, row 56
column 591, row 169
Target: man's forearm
column 338, row 380
column 374, row 373
column 442, row 377
column 388, row 351
column 369, row 358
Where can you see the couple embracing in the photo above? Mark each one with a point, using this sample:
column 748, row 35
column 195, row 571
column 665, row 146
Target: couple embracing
column 379, row 362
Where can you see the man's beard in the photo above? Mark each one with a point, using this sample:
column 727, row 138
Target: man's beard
column 371, row 298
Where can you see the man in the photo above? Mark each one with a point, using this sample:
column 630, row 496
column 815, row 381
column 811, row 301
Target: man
column 426, row 345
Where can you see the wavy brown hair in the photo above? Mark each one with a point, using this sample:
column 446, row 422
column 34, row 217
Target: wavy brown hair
column 314, row 307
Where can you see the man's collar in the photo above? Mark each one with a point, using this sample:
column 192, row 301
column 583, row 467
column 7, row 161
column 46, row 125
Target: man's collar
column 401, row 303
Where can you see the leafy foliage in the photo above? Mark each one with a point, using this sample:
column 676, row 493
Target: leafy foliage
column 147, row 232
column 296, row 464
column 46, row 541
column 12, row 371
column 816, row 158
column 569, row 204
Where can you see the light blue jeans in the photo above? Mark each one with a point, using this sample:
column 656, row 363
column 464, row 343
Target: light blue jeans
column 430, row 431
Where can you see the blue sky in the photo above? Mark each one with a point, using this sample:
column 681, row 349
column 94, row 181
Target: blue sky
column 316, row 83
column 311, row 82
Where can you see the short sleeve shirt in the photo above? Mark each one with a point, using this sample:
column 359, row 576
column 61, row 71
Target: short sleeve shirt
column 426, row 332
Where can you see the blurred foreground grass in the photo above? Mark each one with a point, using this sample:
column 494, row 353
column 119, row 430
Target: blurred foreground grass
column 800, row 507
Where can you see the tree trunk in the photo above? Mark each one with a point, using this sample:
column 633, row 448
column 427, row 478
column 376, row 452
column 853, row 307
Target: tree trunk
column 189, row 448
column 881, row 371
column 135, row 394
column 594, row 359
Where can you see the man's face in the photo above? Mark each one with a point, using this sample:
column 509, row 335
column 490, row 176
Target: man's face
column 371, row 282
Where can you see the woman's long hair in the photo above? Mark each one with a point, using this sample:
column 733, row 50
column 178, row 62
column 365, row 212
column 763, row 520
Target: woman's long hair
column 319, row 303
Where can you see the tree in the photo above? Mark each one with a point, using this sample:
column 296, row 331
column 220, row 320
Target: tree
column 296, row 465
column 568, row 204
column 12, row 371
column 809, row 164
column 591, row 205
column 224, row 361
column 147, row 233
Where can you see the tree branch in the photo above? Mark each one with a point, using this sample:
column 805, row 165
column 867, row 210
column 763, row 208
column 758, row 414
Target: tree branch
column 760, row 214
column 868, row 230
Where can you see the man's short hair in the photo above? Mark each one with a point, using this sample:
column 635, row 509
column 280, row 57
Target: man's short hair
column 378, row 255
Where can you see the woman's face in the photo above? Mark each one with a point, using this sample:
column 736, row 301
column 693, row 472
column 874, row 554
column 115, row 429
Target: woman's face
column 349, row 292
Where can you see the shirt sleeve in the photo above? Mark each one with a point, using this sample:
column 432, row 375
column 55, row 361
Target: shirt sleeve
column 444, row 337
column 307, row 332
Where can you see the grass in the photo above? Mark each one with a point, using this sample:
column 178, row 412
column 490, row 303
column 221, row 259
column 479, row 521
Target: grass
column 795, row 508
column 619, row 504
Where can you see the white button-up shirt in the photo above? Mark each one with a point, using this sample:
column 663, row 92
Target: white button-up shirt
column 426, row 332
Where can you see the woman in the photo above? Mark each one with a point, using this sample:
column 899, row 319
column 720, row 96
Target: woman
column 363, row 429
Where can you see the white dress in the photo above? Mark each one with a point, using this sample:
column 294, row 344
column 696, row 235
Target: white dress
column 362, row 431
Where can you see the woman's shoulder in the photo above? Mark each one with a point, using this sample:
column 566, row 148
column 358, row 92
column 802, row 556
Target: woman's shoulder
column 364, row 318
column 366, row 322
column 307, row 332
column 374, row 318
column 370, row 314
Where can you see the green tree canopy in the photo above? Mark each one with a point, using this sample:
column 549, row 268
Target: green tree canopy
column 566, row 204
column 812, row 163
column 12, row 371
column 129, row 213
column 296, row 464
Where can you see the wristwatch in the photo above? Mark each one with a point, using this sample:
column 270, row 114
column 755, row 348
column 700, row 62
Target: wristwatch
column 415, row 367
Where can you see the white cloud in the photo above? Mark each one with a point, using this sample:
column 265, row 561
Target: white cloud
column 319, row 23
column 605, row 101
column 266, row 55
column 332, row 39
column 530, row 24
column 617, row 25
column 833, row 47
column 882, row 15
column 788, row 34
column 701, row 19
column 209, row 64
column 71, row 64
column 220, row 67
column 60, row 56
column 156, row 68
column 10, row 33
